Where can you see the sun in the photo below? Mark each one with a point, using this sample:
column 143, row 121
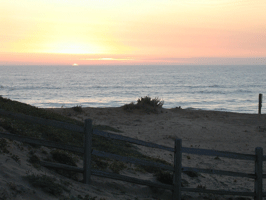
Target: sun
column 75, row 64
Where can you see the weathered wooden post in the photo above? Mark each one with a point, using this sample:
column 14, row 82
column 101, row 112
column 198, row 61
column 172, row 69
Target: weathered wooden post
column 258, row 173
column 178, row 170
column 260, row 103
column 87, row 151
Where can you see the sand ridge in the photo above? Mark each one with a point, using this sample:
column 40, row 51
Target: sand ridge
column 234, row 132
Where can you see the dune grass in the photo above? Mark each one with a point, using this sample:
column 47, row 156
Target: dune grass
column 70, row 137
column 146, row 104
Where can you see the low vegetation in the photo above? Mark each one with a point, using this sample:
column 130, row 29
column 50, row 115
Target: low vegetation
column 66, row 158
column 34, row 160
column 164, row 177
column 3, row 146
column 23, row 128
column 18, row 107
column 15, row 158
column 47, row 183
column 146, row 104
column 63, row 157
column 117, row 166
column 99, row 163
column 77, row 108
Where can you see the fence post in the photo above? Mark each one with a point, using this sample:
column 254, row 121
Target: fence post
column 178, row 169
column 260, row 103
column 258, row 173
column 87, row 151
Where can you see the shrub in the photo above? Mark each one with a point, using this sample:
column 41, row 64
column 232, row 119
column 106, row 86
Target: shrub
column 201, row 186
column 34, row 160
column 117, row 166
column 150, row 169
column 167, row 178
column 191, row 174
column 164, row 177
column 79, row 197
column 156, row 102
column 99, row 163
column 77, row 108
column 217, row 158
column 15, row 158
column 64, row 158
column 145, row 103
column 3, row 146
column 46, row 183
column 130, row 106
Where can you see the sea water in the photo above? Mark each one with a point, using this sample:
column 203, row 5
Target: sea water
column 222, row 88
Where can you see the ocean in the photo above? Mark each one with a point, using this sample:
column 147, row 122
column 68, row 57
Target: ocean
column 220, row 88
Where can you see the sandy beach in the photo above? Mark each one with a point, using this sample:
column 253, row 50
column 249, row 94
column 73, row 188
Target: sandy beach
column 234, row 132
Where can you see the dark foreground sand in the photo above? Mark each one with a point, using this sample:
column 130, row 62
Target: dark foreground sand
column 234, row 132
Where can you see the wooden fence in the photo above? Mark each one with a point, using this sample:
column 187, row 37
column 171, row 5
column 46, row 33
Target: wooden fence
column 177, row 168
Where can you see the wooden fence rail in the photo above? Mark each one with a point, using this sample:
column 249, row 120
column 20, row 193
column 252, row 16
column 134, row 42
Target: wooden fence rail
column 177, row 168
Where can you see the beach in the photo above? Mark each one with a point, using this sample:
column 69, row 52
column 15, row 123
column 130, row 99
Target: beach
column 223, row 131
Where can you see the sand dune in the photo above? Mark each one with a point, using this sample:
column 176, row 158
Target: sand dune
column 234, row 132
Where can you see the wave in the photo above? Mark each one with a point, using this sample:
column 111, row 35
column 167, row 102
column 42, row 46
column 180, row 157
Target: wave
column 243, row 91
column 216, row 86
column 31, row 88
column 206, row 86
column 212, row 92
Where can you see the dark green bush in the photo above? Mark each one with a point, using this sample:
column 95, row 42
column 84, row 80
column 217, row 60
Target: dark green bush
column 3, row 146
column 145, row 103
column 130, row 106
column 46, row 183
column 64, row 158
column 164, row 177
column 99, row 163
column 191, row 174
column 34, row 160
column 117, row 166
column 77, row 108
column 15, row 158
column 156, row 102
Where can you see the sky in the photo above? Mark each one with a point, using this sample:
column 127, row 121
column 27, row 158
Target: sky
column 91, row 32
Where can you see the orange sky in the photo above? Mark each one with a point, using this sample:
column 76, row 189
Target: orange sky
column 64, row 32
